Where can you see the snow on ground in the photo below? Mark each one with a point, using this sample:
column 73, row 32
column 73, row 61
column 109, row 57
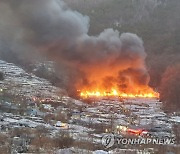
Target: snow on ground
column 17, row 81
column 175, row 119
column 128, row 112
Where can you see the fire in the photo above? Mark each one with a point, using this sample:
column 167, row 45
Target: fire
column 115, row 93
column 117, row 81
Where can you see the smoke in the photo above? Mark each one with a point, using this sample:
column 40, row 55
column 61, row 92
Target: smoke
column 31, row 30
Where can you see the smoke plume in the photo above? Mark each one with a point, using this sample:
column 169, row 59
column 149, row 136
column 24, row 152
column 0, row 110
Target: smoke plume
column 34, row 29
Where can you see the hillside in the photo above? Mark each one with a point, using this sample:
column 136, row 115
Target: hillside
column 35, row 118
column 157, row 22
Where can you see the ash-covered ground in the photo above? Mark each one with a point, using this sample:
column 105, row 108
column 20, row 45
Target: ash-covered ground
column 36, row 117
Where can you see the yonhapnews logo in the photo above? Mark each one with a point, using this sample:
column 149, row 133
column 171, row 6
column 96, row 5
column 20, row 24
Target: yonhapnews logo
column 109, row 140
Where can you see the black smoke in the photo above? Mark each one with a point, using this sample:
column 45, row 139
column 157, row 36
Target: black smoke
column 48, row 29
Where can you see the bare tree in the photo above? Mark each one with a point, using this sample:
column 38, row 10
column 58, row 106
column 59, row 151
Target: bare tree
column 1, row 76
column 170, row 88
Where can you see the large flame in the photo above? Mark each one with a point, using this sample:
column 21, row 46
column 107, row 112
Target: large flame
column 148, row 93
column 116, row 80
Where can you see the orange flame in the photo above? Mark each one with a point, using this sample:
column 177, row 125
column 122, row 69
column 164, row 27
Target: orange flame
column 115, row 93
column 104, row 81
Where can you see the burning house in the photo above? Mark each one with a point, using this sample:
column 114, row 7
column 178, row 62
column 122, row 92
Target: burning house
column 110, row 64
column 108, row 68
